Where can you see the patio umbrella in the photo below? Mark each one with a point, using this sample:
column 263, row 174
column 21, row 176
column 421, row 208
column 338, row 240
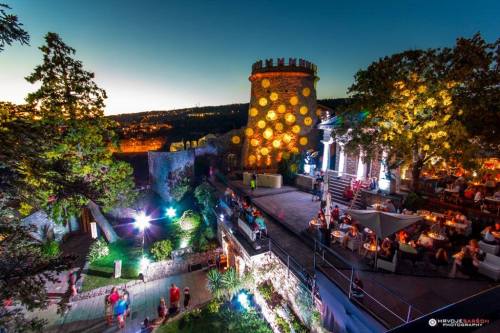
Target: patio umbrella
column 328, row 213
column 383, row 224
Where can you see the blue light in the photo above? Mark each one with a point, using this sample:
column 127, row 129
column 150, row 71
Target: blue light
column 142, row 221
column 171, row 212
column 243, row 300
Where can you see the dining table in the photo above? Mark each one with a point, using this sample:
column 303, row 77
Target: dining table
column 496, row 201
column 338, row 235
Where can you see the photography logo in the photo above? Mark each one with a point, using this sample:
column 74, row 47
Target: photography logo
column 432, row 322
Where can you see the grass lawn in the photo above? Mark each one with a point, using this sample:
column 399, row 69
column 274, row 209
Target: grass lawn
column 226, row 319
column 101, row 271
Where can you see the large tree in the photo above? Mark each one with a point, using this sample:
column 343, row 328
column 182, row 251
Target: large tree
column 11, row 29
column 415, row 108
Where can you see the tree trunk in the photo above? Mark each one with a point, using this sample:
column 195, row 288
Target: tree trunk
column 415, row 174
column 102, row 222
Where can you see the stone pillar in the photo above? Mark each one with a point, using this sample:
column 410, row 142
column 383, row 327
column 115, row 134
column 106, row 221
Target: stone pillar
column 341, row 159
column 327, row 141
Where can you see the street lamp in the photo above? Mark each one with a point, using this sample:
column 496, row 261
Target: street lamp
column 142, row 223
column 171, row 212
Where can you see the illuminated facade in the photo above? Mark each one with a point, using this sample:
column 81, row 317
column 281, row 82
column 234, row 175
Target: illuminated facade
column 282, row 114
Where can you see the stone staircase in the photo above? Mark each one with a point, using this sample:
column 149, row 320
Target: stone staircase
column 336, row 186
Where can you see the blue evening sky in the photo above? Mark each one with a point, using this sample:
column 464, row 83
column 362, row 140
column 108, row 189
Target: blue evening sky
column 171, row 54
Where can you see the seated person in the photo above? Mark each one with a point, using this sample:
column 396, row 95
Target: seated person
column 440, row 258
column 488, row 237
column 348, row 193
column 469, row 193
column 439, row 228
column 467, row 260
column 352, row 234
column 386, row 250
column 478, row 197
column 403, row 236
column 390, row 206
column 336, row 213
column 259, row 221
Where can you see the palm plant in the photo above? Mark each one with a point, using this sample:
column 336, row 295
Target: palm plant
column 231, row 283
column 215, row 283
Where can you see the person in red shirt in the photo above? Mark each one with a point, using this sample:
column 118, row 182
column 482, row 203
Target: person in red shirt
column 114, row 296
column 175, row 296
column 336, row 213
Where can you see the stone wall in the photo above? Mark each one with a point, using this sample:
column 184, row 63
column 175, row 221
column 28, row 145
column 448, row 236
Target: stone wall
column 282, row 117
column 167, row 168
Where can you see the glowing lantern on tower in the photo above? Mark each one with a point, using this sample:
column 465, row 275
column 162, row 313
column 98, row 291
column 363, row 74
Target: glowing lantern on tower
column 254, row 142
column 290, row 118
column 265, row 83
column 254, row 112
column 249, row 131
column 273, row 97
column 308, row 121
column 303, row 141
column 268, row 133
column 303, row 110
column 282, row 108
column 306, row 92
column 279, row 126
column 261, row 124
column 276, row 144
column 235, row 139
column 264, row 151
column 287, row 138
column 296, row 129
column 271, row 115
column 262, row 101
column 294, row 100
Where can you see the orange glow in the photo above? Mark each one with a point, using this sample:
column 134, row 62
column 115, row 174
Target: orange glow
column 261, row 124
column 249, row 131
column 251, row 159
column 282, row 108
column 235, row 139
column 308, row 121
column 294, row 100
column 276, row 143
column 271, row 115
column 138, row 145
column 287, row 138
column 265, row 83
column 303, row 141
column 254, row 112
column 306, row 92
column 262, row 101
column 290, row 118
column 258, row 76
column 303, row 110
column 254, row 142
column 279, row 126
column 273, row 97
column 264, row 151
column 268, row 133
column 296, row 129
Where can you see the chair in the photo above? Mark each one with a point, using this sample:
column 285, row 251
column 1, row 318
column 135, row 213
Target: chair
column 490, row 266
column 354, row 244
column 489, row 248
column 388, row 265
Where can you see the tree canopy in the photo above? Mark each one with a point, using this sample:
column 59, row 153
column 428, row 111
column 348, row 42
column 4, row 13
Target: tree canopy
column 11, row 29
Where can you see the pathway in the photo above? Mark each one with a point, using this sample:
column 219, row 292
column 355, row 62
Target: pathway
column 88, row 315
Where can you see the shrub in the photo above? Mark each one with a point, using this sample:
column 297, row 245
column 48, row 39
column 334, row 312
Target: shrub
column 180, row 188
column 266, row 290
column 413, row 202
column 213, row 306
column 161, row 250
column 98, row 249
column 51, row 249
column 282, row 324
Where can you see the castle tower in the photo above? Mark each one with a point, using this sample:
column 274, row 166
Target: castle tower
column 282, row 112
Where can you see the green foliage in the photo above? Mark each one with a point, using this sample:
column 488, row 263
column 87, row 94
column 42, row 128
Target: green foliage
column 206, row 198
column 413, row 202
column 282, row 324
column 297, row 325
column 98, row 249
column 266, row 290
column 225, row 286
column 213, row 306
column 231, row 283
column 11, row 29
column 180, row 188
column 305, row 304
column 161, row 250
column 51, row 249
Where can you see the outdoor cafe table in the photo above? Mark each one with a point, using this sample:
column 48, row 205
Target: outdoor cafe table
column 337, row 235
column 407, row 248
column 496, row 201
column 369, row 250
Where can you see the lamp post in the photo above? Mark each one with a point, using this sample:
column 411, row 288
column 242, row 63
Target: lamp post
column 142, row 223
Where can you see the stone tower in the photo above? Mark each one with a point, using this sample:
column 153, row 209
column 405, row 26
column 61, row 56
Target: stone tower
column 282, row 113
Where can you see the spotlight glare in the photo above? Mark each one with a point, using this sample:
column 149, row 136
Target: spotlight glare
column 171, row 212
column 142, row 221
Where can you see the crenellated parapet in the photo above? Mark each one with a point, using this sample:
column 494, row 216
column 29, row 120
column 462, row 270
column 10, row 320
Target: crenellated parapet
column 280, row 65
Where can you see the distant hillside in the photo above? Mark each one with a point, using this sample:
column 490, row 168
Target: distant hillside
column 191, row 123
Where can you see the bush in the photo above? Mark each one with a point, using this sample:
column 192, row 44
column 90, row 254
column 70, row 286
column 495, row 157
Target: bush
column 180, row 189
column 161, row 250
column 282, row 324
column 413, row 202
column 51, row 249
column 98, row 250
column 214, row 306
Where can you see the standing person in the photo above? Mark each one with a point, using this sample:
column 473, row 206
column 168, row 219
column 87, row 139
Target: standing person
column 321, row 188
column 120, row 310
column 114, row 296
column 315, row 190
column 162, row 310
column 126, row 297
column 253, row 181
column 175, row 296
column 108, row 310
column 187, row 298
column 336, row 213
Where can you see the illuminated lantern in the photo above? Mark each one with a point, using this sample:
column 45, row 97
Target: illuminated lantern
column 306, row 92
column 290, row 118
column 273, row 97
column 296, row 129
column 268, row 133
column 271, row 115
column 254, row 112
column 279, row 126
column 318, row 112
column 249, row 131
column 254, row 142
column 294, row 150
column 287, row 138
column 276, row 143
column 308, row 121
column 264, row 151
column 261, row 124
column 294, row 100
column 268, row 161
column 303, row 110
column 262, row 101
column 303, row 141
column 235, row 139
column 265, row 83
column 251, row 159
column 282, row 108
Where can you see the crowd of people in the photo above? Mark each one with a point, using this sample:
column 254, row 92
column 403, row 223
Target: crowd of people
column 243, row 208
column 117, row 307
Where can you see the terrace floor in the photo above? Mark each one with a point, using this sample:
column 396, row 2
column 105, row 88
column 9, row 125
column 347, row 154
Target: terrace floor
column 289, row 212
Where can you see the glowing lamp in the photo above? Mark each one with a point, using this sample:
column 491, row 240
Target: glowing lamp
column 264, row 151
column 290, row 118
column 296, row 129
column 294, row 150
column 268, row 133
column 294, row 100
column 273, row 97
column 261, row 124
column 271, row 115
column 308, row 121
column 287, row 138
column 265, row 83
column 251, row 159
column 249, row 131
column 303, row 141
column 254, row 142
column 143, row 264
column 254, row 112
column 171, row 212
column 262, row 101
column 306, row 92
column 303, row 110
column 142, row 221
column 279, row 126
column 282, row 108
column 276, row 143
column 235, row 139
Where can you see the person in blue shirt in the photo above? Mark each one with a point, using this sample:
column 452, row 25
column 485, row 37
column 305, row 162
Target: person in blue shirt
column 120, row 310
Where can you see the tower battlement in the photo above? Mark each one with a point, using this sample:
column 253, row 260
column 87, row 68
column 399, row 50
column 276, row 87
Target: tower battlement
column 280, row 65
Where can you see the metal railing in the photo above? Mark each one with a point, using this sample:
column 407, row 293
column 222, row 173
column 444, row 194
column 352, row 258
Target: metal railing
column 374, row 297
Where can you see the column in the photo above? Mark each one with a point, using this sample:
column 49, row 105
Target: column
column 341, row 160
column 327, row 141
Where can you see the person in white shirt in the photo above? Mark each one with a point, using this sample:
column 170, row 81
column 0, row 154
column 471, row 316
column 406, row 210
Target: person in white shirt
column 478, row 197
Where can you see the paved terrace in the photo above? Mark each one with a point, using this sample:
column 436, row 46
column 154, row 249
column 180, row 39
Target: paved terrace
column 289, row 210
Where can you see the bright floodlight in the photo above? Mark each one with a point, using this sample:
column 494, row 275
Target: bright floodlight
column 143, row 264
column 171, row 213
column 142, row 221
column 243, row 300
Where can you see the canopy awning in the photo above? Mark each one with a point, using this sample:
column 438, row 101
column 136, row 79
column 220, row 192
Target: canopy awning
column 383, row 223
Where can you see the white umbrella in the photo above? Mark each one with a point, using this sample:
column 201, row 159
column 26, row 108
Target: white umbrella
column 328, row 214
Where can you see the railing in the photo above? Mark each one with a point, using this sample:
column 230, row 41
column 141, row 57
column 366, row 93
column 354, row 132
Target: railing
column 375, row 298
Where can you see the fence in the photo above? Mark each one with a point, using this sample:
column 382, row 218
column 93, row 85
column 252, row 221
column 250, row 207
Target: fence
column 375, row 298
